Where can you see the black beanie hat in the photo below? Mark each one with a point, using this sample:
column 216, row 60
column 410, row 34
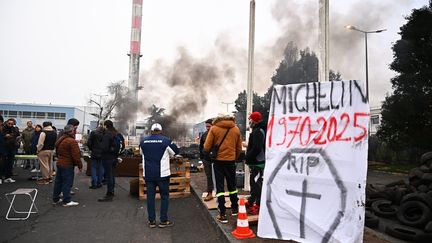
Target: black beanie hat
column 73, row 122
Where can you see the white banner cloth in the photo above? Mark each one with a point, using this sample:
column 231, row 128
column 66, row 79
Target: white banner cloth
column 316, row 163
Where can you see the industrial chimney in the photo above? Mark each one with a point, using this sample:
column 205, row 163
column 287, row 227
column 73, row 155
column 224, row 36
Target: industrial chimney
column 134, row 60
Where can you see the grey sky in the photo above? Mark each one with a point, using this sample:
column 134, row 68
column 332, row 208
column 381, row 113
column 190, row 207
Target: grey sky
column 60, row 52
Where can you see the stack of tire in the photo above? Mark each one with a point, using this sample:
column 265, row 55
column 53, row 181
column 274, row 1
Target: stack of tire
column 410, row 204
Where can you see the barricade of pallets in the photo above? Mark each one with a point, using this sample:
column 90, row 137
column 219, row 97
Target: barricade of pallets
column 179, row 180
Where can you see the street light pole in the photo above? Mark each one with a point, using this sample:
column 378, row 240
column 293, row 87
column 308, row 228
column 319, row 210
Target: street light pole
column 227, row 103
column 99, row 104
column 366, row 51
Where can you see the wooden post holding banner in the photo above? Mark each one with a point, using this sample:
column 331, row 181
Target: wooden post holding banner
column 315, row 174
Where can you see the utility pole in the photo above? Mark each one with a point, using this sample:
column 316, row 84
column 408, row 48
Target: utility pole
column 324, row 32
column 249, row 92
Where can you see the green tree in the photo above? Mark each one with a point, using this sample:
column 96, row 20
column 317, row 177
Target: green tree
column 407, row 113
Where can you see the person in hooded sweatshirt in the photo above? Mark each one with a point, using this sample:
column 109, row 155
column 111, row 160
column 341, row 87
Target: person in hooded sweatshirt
column 45, row 150
column 224, row 166
column 255, row 159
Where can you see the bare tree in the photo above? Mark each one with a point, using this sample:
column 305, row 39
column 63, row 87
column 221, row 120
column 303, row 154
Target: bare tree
column 117, row 92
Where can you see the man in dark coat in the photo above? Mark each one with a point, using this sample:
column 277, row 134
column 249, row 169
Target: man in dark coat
column 2, row 150
column 10, row 134
column 94, row 143
column 255, row 159
column 207, row 162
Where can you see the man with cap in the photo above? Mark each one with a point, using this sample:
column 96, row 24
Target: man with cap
column 255, row 159
column 10, row 134
column 156, row 151
column 226, row 135
column 207, row 162
column 69, row 156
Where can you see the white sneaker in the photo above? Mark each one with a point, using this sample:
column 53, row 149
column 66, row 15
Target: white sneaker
column 35, row 171
column 71, row 204
column 9, row 180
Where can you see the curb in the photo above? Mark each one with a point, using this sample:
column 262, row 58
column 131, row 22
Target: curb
column 222, row 229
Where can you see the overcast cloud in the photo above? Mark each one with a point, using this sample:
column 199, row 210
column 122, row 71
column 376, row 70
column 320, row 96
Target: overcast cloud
column 61, row 52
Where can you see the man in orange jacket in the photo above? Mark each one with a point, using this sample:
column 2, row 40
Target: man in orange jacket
column 226, row 135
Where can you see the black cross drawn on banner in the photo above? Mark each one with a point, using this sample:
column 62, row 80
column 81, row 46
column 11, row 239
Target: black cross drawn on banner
column 303, row 194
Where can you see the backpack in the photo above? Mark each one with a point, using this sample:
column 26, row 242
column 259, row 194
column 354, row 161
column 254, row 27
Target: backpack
column 117, row 145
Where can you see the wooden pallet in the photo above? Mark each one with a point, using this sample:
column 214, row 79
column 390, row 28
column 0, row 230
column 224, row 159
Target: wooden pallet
column 179, row 180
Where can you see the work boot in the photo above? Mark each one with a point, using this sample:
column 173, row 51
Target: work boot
column 106, row 198
column 222, row 218
column 208, row 197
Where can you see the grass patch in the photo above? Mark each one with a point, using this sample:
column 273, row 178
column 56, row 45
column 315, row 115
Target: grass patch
column 392, row 168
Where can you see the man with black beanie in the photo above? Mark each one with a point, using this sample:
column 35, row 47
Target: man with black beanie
column 74, row 122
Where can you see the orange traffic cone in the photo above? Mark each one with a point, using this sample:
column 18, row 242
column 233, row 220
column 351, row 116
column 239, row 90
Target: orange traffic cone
column 242, row 231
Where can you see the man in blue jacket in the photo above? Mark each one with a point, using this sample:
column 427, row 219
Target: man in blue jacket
column 156, row 150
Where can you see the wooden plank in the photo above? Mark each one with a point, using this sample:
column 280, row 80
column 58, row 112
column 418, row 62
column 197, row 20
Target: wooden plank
column 179, row 180
column 212, row 204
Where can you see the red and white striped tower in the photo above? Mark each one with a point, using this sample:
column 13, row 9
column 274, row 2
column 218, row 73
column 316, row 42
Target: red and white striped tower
column 134, row 55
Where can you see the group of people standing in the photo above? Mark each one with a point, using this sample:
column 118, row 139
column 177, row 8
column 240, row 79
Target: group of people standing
column 223, row 133
column 105, row 144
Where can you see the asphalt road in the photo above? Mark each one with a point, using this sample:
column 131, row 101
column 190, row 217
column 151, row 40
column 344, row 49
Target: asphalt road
column 123, row 220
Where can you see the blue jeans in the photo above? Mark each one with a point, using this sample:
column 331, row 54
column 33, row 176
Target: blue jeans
column 109, row 175
column 63, row 183
column 97, row 172
column 151, row 193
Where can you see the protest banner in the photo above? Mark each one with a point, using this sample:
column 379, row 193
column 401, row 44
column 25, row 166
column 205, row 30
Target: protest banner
column 316, row 163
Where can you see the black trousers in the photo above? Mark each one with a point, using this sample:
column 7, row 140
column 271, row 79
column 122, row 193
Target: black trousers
column 209, row 174
column 225, row 171
column 255, row 182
